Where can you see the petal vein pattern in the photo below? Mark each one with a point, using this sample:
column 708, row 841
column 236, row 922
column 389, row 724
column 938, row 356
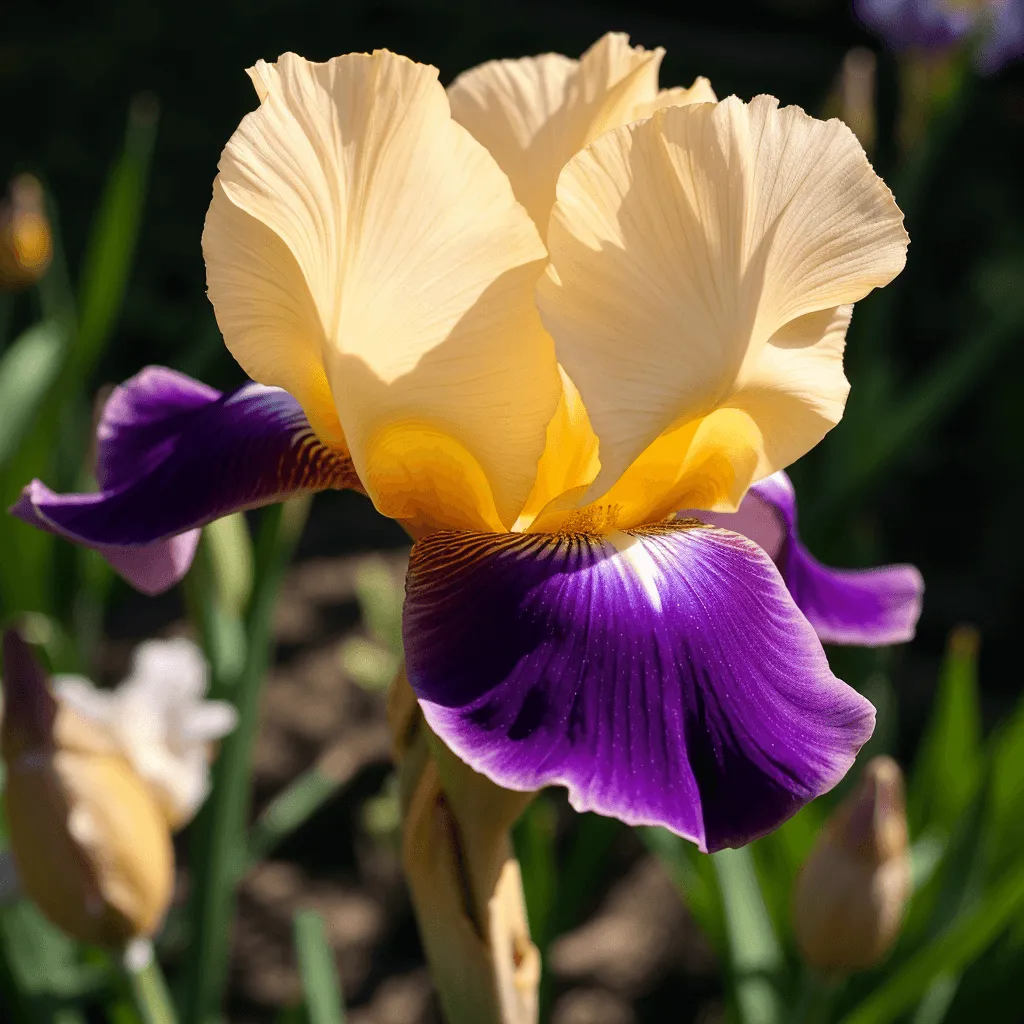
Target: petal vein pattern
column 705, row 258
column 173, row 455
column 366, row 253
column 867, row 607
column 664, row 676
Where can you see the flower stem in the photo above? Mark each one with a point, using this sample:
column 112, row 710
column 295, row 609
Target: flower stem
column 149, row 989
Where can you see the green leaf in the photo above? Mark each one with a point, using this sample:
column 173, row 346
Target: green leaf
column 947, row 769
column 149, row 988
column 694, row 877
column 937, row 1000
column 966, row 939
column 1006, row 805
column 778, row 857
column 371, row 664
column 957, row 882
column 320, row 986
column 302, row 798
column 239, row 654
column 583, row 868
column 110, row 251
column 755, row 955
column 380, row 598
column 28, row 581
column 44, row 968
column 230, row 550
column 534, row 839
column 28, row 370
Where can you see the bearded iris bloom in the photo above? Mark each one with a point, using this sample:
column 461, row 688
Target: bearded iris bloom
column 942, row 25
column 567, row 328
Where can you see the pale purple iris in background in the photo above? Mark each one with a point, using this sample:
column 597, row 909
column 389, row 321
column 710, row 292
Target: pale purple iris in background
column 938, row 25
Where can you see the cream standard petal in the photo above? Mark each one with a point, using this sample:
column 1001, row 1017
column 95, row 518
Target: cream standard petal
column 682, row 244
column 534, row 113
column 796, row 389
column 360, row 237
column 699, row 92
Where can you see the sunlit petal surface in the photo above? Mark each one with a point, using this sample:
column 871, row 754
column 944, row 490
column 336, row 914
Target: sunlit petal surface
column 534, row 113
column 866, row 607
column 694, row 257
column 174, row 455
column 363, row 249
column 664, row 676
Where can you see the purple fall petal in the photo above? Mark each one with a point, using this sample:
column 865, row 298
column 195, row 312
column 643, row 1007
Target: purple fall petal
column 663, row 676
column 173, row 455
column 863, row 607
column 154, row 568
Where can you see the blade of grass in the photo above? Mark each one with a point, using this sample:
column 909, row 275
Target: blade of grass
column 148, row 987
column 891, row 427
column 754, row 951
column 28, row 370
column 110, row 251
column 1006, row 810
column 694, row 877
column 219, row 842
column 949, row 954
column 320, row 986
column 937, row 1000
column 948, row 766
column 584, row 866
column 958, row 880
column 534, row 839
column 286, row 812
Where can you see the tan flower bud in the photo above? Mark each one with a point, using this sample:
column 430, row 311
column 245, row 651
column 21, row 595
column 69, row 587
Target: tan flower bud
column 25, row 241
column 849, row 897
column 91, row 846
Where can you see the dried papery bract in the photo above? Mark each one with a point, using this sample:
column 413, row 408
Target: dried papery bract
column 463, row 876
column 850, row 895
column 90, row 844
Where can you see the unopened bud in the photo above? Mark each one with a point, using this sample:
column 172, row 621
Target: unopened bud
column 25, row 241
column 850, row 895
column 90, row 844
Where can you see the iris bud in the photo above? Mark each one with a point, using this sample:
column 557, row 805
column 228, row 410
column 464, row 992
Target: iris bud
column 25, row 240
column 90, row 844
column 850, row 894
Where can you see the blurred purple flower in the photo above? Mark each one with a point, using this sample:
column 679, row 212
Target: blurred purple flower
column 944, row 24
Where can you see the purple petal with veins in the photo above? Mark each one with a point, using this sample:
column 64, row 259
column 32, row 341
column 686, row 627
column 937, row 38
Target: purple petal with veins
column 173, row 455
column 664, row 676
column 865, row 607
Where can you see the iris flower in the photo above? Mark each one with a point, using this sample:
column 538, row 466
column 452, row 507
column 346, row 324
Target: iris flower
column 535, row 318
column 938, row 25
column 160, row 721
